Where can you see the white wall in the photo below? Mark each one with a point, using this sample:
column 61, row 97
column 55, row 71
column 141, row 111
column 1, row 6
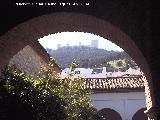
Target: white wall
column 126, row 104
column 87, row 73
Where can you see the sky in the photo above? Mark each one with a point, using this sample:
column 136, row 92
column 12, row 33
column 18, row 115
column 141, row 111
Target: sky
column 74, row 38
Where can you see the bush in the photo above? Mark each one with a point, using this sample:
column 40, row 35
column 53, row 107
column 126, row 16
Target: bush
column 19, row 92
column 71, row 91
column 46, row 97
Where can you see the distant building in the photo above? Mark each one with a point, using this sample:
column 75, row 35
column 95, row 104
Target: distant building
column 80, row 44
column 100, row 72
column 67, row 44
column 94, row 43
column 58, row 46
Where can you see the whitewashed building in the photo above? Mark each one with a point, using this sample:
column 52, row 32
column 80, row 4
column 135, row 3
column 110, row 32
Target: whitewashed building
column 116, row 96
column 99, row 72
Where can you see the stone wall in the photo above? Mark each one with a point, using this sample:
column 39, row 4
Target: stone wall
column 27, row 60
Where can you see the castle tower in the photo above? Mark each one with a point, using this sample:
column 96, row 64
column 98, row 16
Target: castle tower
column 94, row 43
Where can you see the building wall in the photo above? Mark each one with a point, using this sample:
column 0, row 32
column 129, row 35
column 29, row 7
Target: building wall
column 87, row 73
column 94, row 43
column 27, row 60
column 126, row 104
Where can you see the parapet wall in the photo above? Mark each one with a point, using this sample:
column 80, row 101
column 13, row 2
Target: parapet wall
column 27, row 60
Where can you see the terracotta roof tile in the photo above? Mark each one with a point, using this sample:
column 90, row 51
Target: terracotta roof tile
column 114, row 83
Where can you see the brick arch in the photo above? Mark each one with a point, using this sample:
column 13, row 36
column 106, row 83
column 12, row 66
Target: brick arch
column 30, row 31
column 109, row 114
column 140, row 115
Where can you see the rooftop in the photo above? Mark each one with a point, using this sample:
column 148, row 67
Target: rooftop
column 115, row 84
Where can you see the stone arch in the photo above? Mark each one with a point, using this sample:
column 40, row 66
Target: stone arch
column 140, row 115
column 109, row 114
column 30, row 31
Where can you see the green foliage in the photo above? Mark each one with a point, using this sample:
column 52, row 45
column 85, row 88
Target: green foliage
column 119, row 63
column 47, row 96
column 72, row 92
column 88, row 57
column 73, row 65
column 32, row 93
column 131, row 63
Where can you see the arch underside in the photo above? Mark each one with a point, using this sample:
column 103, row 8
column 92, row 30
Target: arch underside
column 30, row 31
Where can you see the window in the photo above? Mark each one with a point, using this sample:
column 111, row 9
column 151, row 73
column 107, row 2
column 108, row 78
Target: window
column 77, row 72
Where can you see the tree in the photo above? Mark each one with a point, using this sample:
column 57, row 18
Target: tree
column 48, row 96
column 24, row 97
column 72, row 92
column 119, row 63
column 86, row 56
column 130, row 63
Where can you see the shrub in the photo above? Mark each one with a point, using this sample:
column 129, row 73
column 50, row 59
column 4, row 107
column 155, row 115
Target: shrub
column 21, row 92
column 46, row 97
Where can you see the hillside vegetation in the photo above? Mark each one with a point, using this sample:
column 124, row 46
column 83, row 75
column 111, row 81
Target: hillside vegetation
column 88, row 57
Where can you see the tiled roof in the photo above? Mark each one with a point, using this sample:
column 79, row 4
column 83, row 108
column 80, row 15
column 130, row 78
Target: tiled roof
column 112, row 83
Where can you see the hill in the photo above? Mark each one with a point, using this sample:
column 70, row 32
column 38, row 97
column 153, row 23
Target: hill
column 88, row 57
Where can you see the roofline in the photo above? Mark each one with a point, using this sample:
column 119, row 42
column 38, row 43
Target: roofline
column 118, row 90
column 43, row 53
column 110, row 77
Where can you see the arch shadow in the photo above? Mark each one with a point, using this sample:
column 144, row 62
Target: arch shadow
column 109, row 114
column 140, row 115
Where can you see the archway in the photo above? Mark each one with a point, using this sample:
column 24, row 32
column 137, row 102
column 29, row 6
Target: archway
column 28, row 33
column 140, row 115
column 109, row 114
